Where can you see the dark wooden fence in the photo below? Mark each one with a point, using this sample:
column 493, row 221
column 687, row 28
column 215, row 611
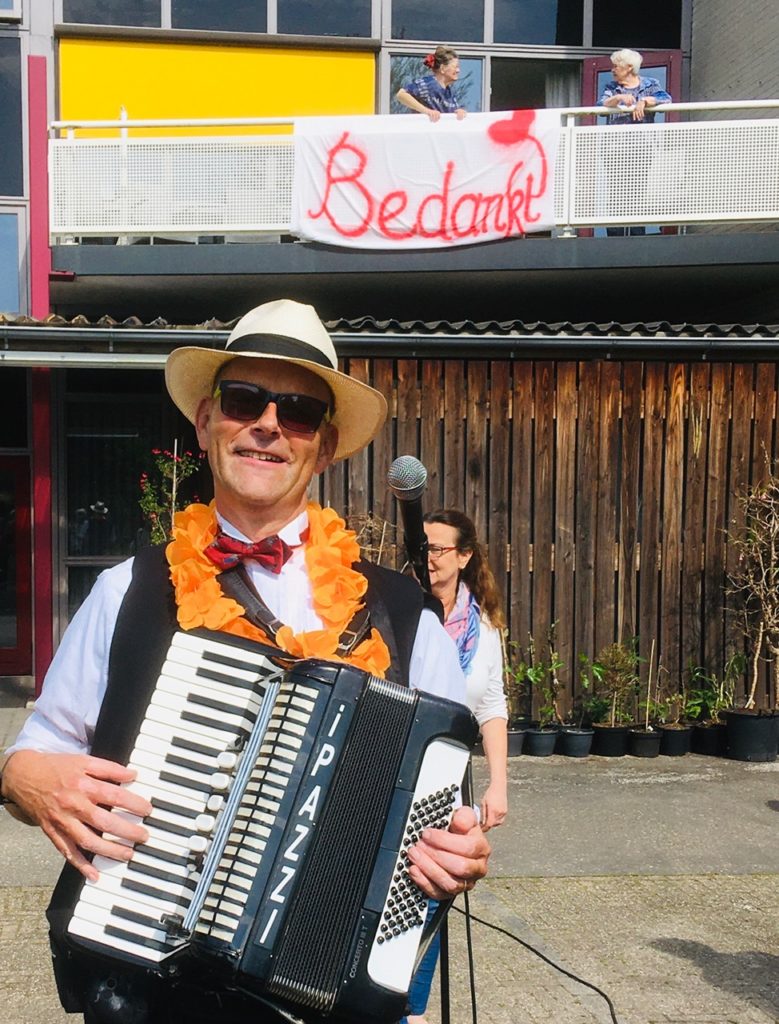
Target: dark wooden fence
column 603, row 489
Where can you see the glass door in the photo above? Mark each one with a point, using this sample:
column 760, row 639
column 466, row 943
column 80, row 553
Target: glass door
column 15, row 567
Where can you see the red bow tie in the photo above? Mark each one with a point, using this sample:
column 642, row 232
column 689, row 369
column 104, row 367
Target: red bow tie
column 227, row 552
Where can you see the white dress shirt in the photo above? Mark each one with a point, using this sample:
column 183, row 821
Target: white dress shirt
column 66, row 712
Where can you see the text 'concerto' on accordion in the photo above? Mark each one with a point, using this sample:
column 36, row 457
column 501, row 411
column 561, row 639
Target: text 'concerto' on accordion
column 283, row 801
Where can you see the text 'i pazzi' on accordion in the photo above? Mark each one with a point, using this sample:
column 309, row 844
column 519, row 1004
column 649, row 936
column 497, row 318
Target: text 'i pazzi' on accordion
column 283, row 802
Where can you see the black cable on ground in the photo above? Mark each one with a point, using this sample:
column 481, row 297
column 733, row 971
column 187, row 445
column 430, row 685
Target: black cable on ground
column 569, row 974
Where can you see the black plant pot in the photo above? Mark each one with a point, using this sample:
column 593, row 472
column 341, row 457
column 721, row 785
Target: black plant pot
column 610, row 740
column 540, row 742
column 675, row 740
column 573, row 742
column 516, row 741
column 751, row 736
column 644, row 742
column 709, row 739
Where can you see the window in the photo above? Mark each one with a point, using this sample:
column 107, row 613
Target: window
column 468, row 89
column 544, row 22
column 519, row 83
column 10, row 276
column 462, row 20
column 614, row 22
column 143, row 13
column 11, row 167
column 10, row 10
column 237, row 16
column 334, row 18
column 13, row 422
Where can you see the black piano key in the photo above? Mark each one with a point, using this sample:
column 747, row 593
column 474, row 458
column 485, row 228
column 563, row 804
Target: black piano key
column 189, row 764
column 171, row 858
column 163, row 876
column 184, row 743
column 166, row 805
column 214, row 724
column 133, row 885
column 179, row 780
column 169, row 826
column 219, row 705
column 120, row 933
column 132, row 915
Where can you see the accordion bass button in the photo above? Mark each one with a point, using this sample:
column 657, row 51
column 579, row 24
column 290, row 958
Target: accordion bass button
column 205, row 822
column 215, row 803
column 227, row 760
column 198, row 844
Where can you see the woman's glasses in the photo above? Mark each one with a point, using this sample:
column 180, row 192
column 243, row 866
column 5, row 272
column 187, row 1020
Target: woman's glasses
column 240, row 400
column 436, row 550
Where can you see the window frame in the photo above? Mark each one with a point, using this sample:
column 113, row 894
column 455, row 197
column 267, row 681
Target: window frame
column 15, row 14
column 20, row 211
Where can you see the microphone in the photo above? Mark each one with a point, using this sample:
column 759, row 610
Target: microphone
column 407, row 479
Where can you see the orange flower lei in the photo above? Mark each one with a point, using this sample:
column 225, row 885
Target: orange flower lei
column 331, row 550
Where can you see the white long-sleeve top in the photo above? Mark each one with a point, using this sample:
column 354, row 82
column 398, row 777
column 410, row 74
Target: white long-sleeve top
column 484, row 683
column 65, row 714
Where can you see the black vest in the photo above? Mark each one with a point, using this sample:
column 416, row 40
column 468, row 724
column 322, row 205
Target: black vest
column 144, row 628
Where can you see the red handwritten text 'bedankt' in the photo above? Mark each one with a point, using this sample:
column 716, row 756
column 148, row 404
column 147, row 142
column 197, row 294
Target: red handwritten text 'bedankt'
column 438, row 214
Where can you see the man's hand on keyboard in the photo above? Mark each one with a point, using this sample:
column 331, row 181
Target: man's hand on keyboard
column 72, row 797
column 444, row 864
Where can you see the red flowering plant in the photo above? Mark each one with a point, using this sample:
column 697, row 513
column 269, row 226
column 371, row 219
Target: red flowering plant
column 161, row 495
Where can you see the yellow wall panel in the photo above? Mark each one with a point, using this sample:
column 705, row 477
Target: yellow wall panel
column 188, row 80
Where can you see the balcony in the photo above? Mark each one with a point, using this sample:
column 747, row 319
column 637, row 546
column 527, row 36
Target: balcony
column 718, row 165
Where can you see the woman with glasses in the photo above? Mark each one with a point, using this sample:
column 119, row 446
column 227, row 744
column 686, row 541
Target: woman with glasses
column 461, row 578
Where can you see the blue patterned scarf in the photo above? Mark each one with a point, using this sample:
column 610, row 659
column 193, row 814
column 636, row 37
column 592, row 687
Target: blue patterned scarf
column 463, row 626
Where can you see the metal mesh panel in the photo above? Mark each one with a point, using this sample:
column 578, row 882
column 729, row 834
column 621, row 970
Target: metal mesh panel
column 675, row 173
column 697, row 172
column 152, row 186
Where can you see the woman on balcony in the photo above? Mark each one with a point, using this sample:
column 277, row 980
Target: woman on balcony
column 433, row 94
column 631, row 94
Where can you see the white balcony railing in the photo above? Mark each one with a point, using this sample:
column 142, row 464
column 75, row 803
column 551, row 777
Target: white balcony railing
column 708, row 171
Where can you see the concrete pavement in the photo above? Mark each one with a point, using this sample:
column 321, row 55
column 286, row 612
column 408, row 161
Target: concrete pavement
column 655, row 881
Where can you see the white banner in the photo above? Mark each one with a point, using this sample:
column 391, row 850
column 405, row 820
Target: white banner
column 404, row 182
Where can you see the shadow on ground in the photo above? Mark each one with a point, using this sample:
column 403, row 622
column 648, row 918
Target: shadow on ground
column 750, row 974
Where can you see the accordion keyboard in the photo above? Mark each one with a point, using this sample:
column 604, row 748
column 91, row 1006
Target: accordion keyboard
column 204, row 707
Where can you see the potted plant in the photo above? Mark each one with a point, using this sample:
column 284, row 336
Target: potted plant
column 541, row 737
column 644, row 740
column 708, row 698
column 672, row 712
column 516, row 685
column 575, row 738
column 754, row 581
column 616, row 684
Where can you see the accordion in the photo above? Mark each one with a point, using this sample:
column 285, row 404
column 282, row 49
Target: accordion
column 284, row 798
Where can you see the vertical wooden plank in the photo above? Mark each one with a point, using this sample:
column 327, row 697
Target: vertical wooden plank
column 606, row 504
column 454, row 433
column 520, row 607
column 695, row 513
column 476, row 462
column 673, row 469
column 383, row 446
column 651, row 490
column 431, row 431
column 716, row 520
column 741, row 417
column 358, row 466
column 407, row 430
column 763, row 440
column 629, row 502
column 543, row 502
column 565, row 525
column 497, row 533
column 586, row 510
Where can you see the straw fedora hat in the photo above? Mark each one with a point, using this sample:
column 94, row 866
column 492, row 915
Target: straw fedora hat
column 292, row 333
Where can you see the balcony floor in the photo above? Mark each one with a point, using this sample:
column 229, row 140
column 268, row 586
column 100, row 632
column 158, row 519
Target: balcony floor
column 695, row 278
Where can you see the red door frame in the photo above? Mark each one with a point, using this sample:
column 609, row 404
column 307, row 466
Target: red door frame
column 17, row 661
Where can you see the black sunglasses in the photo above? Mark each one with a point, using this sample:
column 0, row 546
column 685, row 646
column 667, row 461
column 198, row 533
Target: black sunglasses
column 240, row 400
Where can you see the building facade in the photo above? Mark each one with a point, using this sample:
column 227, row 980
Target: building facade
column 87, row 410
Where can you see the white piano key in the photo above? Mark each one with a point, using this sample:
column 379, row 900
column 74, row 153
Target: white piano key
column 96, row 933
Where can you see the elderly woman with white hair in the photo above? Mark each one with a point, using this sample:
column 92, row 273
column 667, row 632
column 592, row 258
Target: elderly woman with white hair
column 631, row 94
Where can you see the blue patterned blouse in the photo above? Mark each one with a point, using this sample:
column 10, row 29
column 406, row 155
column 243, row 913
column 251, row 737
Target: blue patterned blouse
column 430, row 93
column 646, row 87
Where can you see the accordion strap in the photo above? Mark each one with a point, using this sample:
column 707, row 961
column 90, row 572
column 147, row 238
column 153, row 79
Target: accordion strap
column 236, row 583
